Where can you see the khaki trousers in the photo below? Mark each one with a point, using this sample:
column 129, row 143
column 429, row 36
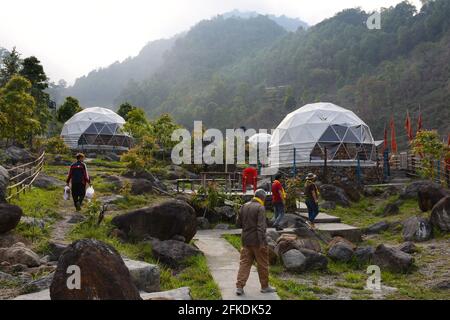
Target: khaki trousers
column 248, row 256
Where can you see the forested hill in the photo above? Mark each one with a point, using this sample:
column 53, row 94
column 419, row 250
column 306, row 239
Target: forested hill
column 100, row 87
column 288, row 23
column 216, row 74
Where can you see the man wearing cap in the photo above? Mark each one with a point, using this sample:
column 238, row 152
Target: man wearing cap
column 79, row 177
column 252, row 219
column 312, row 197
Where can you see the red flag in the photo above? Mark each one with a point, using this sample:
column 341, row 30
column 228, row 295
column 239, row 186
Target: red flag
column 393, row 139
column 419, row 122
column 408, row 127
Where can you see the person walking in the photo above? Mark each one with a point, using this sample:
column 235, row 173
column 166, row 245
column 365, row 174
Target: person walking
column 278, row 202
column 312, row 197
column 252, row 220
column 79, row 177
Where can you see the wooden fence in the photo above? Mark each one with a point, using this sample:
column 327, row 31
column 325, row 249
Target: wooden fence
column 22, row 176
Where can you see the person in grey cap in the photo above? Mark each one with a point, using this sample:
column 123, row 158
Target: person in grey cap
column 252, row 219
column 312, row 197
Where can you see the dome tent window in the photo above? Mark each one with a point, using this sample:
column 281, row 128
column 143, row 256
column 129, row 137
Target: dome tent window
column 320, row 130
column 97, row 129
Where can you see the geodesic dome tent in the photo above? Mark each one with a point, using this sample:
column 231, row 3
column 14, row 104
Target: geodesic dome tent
column 96, row 129
column 320, row 130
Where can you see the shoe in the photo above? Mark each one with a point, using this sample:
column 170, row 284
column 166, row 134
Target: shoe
column 78, row 207
column 269, row 289
column 239, row 291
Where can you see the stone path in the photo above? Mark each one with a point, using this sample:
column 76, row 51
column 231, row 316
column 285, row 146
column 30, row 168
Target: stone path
column 223, row 263
column 62, row 227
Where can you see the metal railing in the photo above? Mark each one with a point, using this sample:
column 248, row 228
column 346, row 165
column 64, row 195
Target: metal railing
column 23, row 176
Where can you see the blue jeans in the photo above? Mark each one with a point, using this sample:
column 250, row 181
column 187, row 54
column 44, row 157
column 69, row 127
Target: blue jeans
column 279, row 213
column 313, row 209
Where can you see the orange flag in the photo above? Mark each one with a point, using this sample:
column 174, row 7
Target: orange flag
column 408, row 127
column 393, row 139
column 419, row 123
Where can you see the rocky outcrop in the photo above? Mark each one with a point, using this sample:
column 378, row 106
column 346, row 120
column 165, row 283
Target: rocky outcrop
column 47, row 182
column 19, row 254
column 145, row 276
column 293, row 260
column 104, row 275
column 392, row 259
column 9, row 217
column 440, row 215
column 416, row 229
column 162, row 221
column 173, row 253
column 4, row 181
column 341, row 251
column 18, row 155
column 329, row 192
column 429, row 195
column 363, row 255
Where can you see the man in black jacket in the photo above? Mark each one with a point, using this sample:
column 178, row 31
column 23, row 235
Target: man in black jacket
column 79, row 177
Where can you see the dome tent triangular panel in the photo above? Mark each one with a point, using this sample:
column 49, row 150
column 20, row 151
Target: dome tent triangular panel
column 314, row 127
column 94, row 127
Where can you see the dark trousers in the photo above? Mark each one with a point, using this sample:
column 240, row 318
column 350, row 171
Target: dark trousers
column 78, row 193
column 279, row 213
column 313, row 209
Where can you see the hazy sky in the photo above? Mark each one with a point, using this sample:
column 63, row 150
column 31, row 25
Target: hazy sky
column 72, row 37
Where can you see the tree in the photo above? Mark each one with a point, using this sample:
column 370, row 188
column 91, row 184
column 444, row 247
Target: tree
column 70, row 107
column 124, row 109
column 162, row 129
column 10, row 66
column 17, row 106
column 34, row 72
column 429, row 147
column 137, row 124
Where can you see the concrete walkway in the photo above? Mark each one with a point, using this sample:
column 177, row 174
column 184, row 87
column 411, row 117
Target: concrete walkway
column 223, row 263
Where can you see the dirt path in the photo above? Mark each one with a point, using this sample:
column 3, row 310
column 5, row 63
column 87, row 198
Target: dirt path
column 62, row 227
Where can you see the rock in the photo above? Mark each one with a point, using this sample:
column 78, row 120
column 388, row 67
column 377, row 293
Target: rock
column 377, row 227
column 177, row 237
column 183, row 293
column 25, row 277
column 47, row 182
column 227, row 213
column 293, row 260
column 7, row 277
column 329, row 192
column 440, row 215
column 328, row 205
column 104, row 275
column 4, row 182
column 392, row 259
column 364, row 255
column 271, row 245
column 408, row 247
column 141, row 186
column 145, row 276
column 76, row 218
column 274, row 235
column 19, row 253
column 116, row 181
column 173, row 253
column 429, row 195
column 111, row 156
column 212, row 215
column 288, row 242
column 203, row 223
column 351, row 190
column 33, row 222
column 391, row 209
column 222, row 226
column 442, row 285
column 291, row 221
column 416, row 229
column 411, row 191
column 18, row 155
column 314, row 260
column 9, row 217
column 338, row 239
column 341, row 249
column 162, row 221
column 110, row 199
column 305, row 232
column 39, row 284
column 55, row 250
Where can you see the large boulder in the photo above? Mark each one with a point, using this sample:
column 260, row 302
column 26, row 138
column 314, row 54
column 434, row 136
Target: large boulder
column 429, row 195
column 47, row 182
column 141, row 186
column 4, row 181
column 340, row 249
column 203, row 223
column 293, row 260
column 332, row 193
column 145, row 276
column 392, row 259
column 291, row 221
column 440, row 215
column 9, row 217
column 19, row 254
column 104, row 275
column 377, row 227
column 351, row 190
column 162, row 221
column 408, row 247
column 314, row 260
column 226, row 212
column 173, row 253
column 364, row 255
column 18, row 155
column 416, row 229
column 288, row 242
column 411, row 191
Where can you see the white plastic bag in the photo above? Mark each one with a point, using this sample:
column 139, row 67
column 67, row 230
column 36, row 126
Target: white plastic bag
column 90, row 192
column 66, row 195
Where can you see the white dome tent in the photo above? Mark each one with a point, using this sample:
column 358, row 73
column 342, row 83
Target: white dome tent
column 97, row 129
column 319, row 129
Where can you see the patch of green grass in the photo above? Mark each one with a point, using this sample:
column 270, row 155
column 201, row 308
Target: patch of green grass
column 196, row 276
column 132, row 201
column 9, row 284
column 234, row 240
column 107, row 164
